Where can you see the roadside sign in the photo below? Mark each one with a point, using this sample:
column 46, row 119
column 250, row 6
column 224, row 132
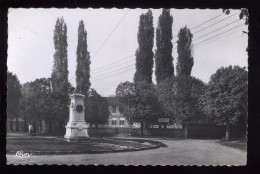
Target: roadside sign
column 163, row 120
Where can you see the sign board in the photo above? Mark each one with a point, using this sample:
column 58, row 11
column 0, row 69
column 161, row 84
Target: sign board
column 163, row 120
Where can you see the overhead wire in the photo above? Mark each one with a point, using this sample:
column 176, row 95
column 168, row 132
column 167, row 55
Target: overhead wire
column 111, row 33
column 176, row 35
column 194, row 45
column 107, row 68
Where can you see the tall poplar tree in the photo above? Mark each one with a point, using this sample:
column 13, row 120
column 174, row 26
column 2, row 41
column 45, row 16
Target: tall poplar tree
column 144, row 53
column 184, row 48
column 163, row 54
column 83, row 61
column 60, row 71
column 59, row 76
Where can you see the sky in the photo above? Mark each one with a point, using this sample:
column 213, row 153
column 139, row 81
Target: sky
column 112, row 41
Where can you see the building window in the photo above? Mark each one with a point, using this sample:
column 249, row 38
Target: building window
column 113, row 109
column 122, row 122
column 113, row 121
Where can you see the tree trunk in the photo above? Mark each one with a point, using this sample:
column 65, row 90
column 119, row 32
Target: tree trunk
column 146, row 125
column 160, row 126
column 61, row 123
column 25, row 124
column 34, row 125
column 50, row 126
column 44, row 126
column 17, row 123
column 90, row 125
column 11, row 122
column 142, row 128
column 186, row 130
column 96, row 125
column 40, row 122
column 227, row 132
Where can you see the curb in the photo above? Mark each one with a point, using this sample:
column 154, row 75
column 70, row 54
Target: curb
column 155, row 145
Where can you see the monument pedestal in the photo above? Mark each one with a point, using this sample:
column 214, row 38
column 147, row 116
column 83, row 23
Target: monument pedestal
column 76, row 128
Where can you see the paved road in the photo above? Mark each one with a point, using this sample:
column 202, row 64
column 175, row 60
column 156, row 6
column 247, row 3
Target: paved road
column 178, row 152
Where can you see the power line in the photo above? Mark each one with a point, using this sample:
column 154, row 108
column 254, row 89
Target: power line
column 194, row 45
column 115, row 62
column 219, row 34
column 219, row 38
column 215, row 36
column 215, row 23
column 207, row 21
column 212, row 31
column 217, row 29
column 191, row 29
column 173, row 37
column 173, row 48
column 111, row 71
column 210, row 25
column 110, row 34
column 203, row 23
column 112, row 66
column 114, row 74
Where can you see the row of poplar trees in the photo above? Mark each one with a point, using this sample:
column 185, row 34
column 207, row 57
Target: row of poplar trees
column 144, row 101
column 93, row 101
column 47, row 99
column 179, row 97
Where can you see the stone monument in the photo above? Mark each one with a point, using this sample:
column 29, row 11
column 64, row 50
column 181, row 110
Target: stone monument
column 76, row 128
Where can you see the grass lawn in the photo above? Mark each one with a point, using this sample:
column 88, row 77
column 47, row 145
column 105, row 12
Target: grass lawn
column 49, row 145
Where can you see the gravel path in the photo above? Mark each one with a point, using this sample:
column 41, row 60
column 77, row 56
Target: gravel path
column 178, row 152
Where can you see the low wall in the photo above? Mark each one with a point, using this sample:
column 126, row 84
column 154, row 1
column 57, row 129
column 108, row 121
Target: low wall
column 194, row 131
column 213, row 131
column 135, row 132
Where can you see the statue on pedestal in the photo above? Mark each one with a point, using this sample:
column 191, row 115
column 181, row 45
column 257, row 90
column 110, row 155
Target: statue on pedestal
column 76, row 128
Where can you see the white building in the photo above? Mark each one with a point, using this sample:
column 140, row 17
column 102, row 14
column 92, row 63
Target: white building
column 116, row 119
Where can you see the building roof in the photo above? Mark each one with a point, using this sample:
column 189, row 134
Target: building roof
column 112, row 101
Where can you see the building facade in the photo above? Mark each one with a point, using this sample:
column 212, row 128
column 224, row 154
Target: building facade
column 116, row 119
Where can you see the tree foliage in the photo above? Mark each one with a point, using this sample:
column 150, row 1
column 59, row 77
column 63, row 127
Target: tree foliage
column 180, row 97
column 144, row 53
column 225, row 98
column 97, row 108
column 139, row 101
column 13, row 98
column 83, row 61
column 40, row 102
column 59, row 76
column 184, row 48
column 163, row 53
column 243, row 14
column 34, row 101
column 60, row 71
